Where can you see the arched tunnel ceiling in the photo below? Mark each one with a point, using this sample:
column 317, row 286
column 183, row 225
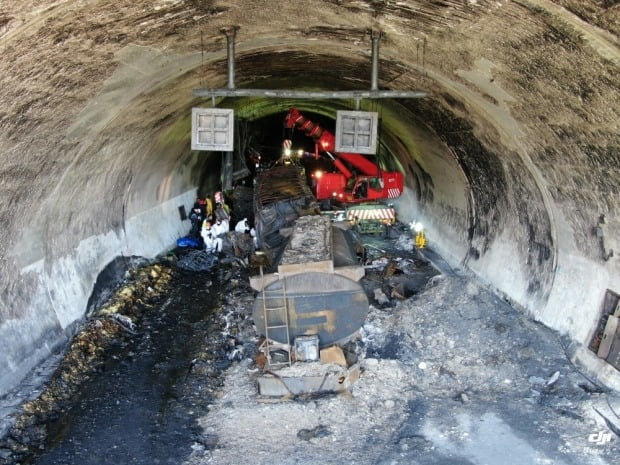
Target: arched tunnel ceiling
column 511, row 159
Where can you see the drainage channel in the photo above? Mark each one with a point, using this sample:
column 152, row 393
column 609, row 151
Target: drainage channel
column 141, row 408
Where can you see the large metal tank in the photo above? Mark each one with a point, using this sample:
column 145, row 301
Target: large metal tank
column 315, row 288
column 329, row 305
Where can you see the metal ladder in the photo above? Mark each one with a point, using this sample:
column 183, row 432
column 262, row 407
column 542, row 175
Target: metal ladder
column 269, row 311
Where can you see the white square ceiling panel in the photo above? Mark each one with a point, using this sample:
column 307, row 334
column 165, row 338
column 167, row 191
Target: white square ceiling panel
column 212, row 129
column 356, row 131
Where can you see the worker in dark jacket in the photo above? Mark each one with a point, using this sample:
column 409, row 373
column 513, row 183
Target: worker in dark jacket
column 222, row 212
column 196, row 218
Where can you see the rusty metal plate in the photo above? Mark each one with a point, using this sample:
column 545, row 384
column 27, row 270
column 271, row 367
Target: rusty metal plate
column 292, row 385
column 328, row 305
column 614, row 352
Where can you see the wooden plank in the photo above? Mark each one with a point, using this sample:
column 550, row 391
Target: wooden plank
column 607, row 340
column 614, row 352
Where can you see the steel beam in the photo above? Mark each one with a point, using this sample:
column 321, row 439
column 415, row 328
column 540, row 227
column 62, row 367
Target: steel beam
column 374, row 77
column 230, row 33
column 373, row 93
column 309, row 94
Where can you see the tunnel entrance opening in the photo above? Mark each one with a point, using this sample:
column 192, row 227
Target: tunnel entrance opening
column 308, row 140
column 267, row 134
column 552, row 79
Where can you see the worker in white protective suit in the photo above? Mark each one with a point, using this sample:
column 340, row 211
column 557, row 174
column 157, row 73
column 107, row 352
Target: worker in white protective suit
column 243, row 226
column 213, row 244
column 254, row 238
column 220, row 228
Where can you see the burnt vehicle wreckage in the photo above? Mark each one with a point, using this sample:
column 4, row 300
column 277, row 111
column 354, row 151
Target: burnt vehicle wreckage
column 300, row 315
column 312, row 298
column 308, row 304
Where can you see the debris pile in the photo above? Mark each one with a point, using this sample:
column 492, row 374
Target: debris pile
column 84, row 356
column 449, row 373
column 235, row 322
column 444, row 372
column 391, row 278
column 197, row 260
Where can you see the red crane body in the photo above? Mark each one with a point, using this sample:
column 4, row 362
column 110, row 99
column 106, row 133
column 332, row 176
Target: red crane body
column 371, row 183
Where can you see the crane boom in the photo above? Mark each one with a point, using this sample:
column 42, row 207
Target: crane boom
column 368, row 183
column 327, row 143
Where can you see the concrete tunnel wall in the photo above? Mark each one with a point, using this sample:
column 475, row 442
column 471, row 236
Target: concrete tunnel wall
column 509, row 162
column 118, row 196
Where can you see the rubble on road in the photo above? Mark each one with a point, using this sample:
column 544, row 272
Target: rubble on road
column 449, row 374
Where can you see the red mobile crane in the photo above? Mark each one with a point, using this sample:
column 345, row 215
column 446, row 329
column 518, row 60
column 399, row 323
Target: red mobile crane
column 369, row 183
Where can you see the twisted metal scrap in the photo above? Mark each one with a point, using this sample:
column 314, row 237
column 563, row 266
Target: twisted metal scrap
column 197, row 260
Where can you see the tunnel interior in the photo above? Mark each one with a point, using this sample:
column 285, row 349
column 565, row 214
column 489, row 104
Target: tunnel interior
column 509, row 162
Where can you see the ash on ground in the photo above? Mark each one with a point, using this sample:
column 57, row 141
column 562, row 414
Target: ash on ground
column 451, row 374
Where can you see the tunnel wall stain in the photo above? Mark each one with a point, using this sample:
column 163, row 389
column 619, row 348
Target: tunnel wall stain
column 534, row 227
column 506, row 202
column 573, row 129
column 483, row 170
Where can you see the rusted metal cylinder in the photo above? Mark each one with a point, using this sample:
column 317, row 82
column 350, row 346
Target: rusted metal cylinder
column 326, row 304
column 313, row 288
